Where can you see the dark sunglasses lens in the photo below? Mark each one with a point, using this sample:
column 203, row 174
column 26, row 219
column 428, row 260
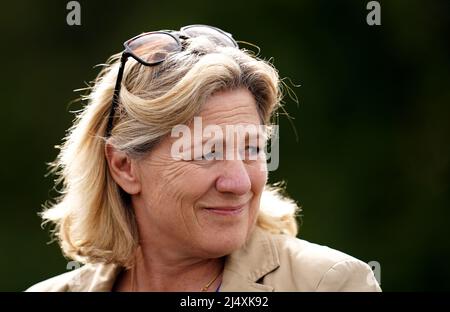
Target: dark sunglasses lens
column 219, row 37
column 153, row 47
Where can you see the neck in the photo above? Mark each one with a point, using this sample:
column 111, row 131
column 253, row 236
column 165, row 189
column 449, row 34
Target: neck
column 163, row 272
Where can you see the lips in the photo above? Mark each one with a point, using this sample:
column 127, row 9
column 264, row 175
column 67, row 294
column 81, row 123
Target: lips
column 226, row 211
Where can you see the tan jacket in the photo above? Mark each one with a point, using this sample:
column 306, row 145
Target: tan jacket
column 267, row 262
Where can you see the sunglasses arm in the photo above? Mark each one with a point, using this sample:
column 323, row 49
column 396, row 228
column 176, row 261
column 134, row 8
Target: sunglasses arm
column 117, row 87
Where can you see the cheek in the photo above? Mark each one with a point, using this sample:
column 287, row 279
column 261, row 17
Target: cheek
column 258, row 177
column 183, row 183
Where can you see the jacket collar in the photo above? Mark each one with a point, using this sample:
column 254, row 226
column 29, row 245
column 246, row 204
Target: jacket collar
column 249, row 264
column 98, row 277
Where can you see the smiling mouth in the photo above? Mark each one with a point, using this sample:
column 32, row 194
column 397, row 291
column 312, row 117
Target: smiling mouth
column 226, row 211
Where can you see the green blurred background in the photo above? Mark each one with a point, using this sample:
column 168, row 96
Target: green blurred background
column 370, row 167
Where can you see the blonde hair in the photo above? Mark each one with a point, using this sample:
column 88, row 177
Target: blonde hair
column 93, row 219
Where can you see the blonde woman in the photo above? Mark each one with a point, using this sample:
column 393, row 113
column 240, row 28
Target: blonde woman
column 143, row 215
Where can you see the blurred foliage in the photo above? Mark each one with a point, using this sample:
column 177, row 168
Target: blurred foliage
column 370, row 165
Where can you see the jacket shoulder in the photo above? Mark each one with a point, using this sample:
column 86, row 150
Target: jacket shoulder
column 314, row 267
column 90, row 277
column 60, row 282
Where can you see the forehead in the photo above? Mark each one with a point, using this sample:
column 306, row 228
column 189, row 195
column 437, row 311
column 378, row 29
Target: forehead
column 230, row 107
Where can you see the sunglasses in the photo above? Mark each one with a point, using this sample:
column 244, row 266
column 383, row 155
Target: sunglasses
column 152, row 48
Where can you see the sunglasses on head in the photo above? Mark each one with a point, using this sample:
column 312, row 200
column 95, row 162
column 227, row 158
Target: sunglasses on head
column 152, row 48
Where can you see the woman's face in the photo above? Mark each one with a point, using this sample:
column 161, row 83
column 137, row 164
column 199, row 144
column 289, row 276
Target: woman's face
column 203, row 208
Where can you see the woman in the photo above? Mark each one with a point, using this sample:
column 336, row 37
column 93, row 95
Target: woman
column 145, row 212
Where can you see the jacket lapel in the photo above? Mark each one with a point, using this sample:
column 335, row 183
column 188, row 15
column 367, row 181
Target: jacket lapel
column 246, row 267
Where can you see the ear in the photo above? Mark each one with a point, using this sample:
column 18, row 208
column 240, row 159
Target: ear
column 123, row 170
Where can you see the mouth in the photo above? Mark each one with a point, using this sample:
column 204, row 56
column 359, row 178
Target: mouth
column 226, row 210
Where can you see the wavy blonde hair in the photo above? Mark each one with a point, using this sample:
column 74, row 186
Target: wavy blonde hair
column 92, row 217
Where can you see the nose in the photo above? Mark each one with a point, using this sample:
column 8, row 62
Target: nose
column 234, row 179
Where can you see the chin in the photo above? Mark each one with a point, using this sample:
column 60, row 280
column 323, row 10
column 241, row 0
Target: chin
column 225, row 242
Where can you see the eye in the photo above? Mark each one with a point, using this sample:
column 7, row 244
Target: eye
column 212, row 155
column 209, row 156
column 253, row 149
column 252, row 152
